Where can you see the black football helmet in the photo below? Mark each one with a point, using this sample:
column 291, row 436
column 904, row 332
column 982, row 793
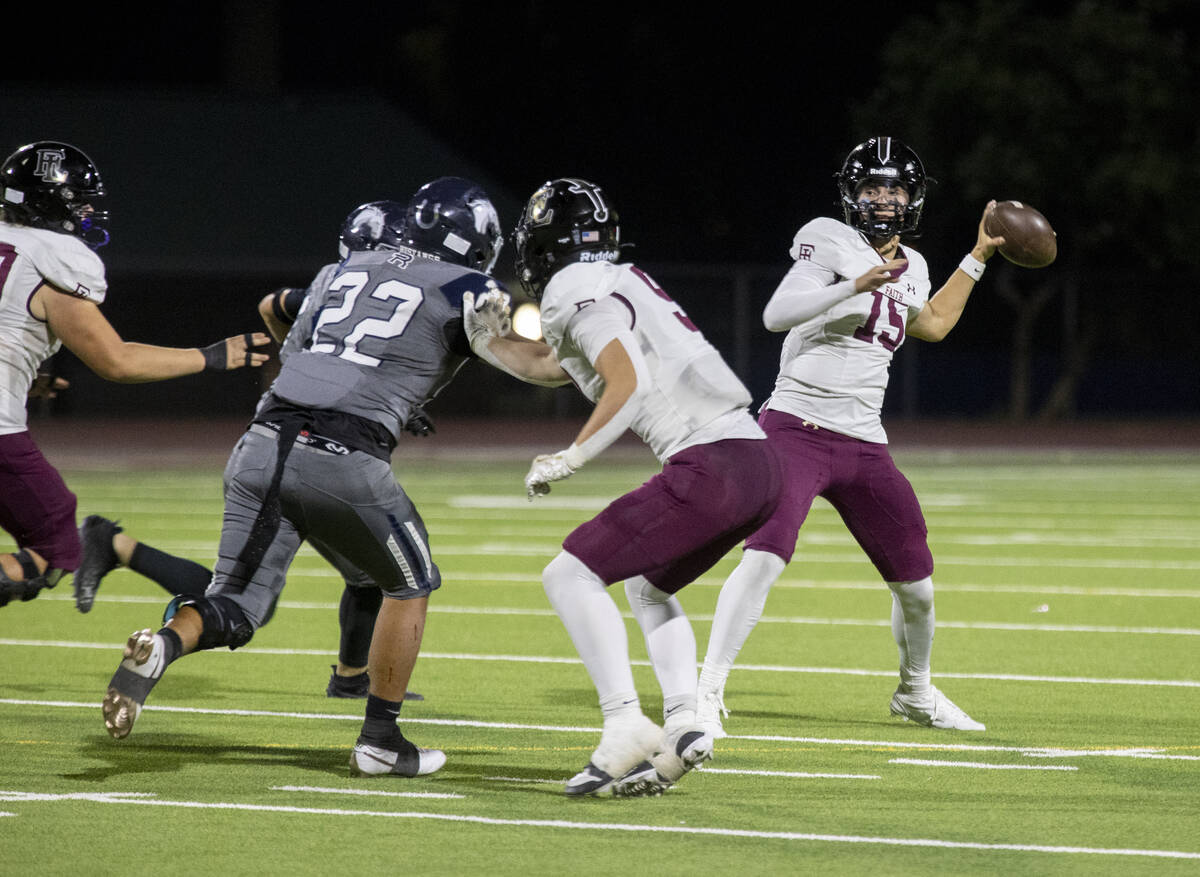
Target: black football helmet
column 55, row 186
column 567, row 220
column 372, row 225
column 453, row 218
column 882, row 160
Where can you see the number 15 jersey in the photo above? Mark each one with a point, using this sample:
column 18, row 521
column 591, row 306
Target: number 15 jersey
column 833, row 369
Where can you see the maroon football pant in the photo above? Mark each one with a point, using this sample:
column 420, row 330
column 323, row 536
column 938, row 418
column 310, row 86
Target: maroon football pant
column 677, row 525
column 861, row 481
column 36, row 508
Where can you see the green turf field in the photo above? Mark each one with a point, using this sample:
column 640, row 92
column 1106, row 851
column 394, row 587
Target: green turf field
column 1068, row 621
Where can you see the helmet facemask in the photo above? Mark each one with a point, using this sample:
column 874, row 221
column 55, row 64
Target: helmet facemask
column 888, row 163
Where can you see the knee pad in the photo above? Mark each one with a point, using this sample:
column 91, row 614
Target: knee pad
column 224, row 622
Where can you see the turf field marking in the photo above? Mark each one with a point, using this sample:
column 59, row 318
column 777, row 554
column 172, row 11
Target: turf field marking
column 1128, row 753
column 932, row 745
column 759, row 668
column 979, row 765
column 789, row 774
column 365, row 792
column 525, row 780
column 547, row 550
column 635, row 828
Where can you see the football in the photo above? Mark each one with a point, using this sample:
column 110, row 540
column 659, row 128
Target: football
column 1029, row 241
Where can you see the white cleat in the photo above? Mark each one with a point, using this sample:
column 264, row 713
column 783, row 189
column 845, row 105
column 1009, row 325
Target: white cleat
column 625, row 742
column 710, row 707
column 141, row 666
column 685, row 748
column 410, row 761
column 932, row 709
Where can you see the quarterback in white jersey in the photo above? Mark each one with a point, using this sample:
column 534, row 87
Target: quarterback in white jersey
column 634, row 353
column 849, row 300
column 51, row 283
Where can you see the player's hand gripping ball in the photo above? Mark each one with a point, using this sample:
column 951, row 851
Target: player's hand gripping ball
column 1029, row 241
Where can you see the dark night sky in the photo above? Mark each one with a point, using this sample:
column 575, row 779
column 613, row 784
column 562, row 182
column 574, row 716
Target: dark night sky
column 717, row 137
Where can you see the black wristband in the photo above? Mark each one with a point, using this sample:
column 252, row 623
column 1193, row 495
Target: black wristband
column 215, row 357
column 281, row 299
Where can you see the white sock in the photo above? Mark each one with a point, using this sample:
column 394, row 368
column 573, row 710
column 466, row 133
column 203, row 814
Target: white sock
column 595, row 626
column 912, row 628
column 670, row 643
column 739, row 606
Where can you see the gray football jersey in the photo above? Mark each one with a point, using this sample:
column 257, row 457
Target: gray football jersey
column 377, row 334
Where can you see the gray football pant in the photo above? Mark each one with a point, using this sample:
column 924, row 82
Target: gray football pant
column 348, row 507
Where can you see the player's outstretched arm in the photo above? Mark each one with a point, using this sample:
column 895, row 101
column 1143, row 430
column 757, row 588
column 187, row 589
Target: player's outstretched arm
column 81, row 326
column 278, row 310
column 942, row 311
column 488, row 325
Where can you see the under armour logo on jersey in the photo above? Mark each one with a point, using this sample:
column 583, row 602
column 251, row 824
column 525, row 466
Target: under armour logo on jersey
column 805, row 252
column 49, row 165
column 593, row 193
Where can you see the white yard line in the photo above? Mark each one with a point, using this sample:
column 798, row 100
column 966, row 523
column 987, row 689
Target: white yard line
column 547, row 659
column 931, row 744
column 622, row 827
column 980, row 765
column 375, row 793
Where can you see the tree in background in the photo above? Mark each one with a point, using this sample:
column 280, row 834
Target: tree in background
column 1085, row 110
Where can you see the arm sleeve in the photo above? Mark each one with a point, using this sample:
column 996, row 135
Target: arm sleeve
column 804, row 292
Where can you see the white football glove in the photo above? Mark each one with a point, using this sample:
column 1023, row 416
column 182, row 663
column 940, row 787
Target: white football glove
column 485, row 318
column 547, row 468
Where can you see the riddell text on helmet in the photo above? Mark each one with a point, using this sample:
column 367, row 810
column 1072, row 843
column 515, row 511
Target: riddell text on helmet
column 599, row 255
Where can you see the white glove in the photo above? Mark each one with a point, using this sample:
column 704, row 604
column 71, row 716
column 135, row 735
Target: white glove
column 551, row 467
column 486, row 318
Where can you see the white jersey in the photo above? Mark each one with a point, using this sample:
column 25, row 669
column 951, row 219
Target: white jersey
column 833, row 369
column 693, row 397
column 30, row 257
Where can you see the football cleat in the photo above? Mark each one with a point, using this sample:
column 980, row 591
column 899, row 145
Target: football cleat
column 710, row 707
column 626, row 741
column 141, row 667
column 356, row 686
column 347, row 686
column 99, row 559
column 932, row 709
column 407, row 760
column 685, row 748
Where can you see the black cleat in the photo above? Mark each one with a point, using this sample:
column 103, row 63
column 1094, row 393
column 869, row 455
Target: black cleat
column 356, row 686
column 99, row 559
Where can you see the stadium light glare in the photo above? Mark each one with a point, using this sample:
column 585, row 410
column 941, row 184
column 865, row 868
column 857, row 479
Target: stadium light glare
column 527, row 321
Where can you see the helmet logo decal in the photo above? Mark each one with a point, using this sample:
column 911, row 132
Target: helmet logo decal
column 49, row 165
column 538, row 213
column 419, row 215
column 486, row 217
column 593, row 193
